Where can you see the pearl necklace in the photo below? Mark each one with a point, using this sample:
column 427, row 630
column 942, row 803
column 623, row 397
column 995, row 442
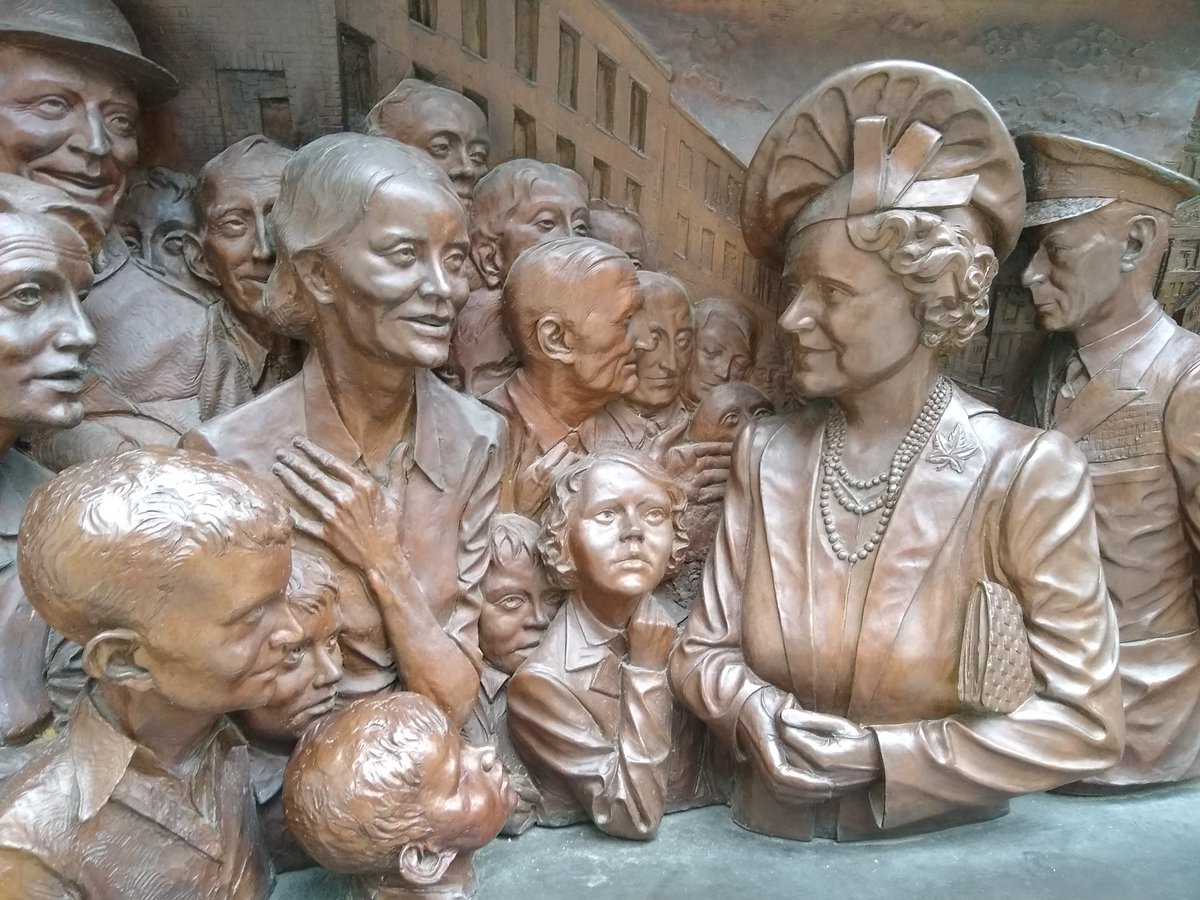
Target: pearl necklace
column 836, row 481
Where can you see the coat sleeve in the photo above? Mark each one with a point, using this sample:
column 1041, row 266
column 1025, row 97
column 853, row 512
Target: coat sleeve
column 709, row 672
column 1181, row 432
column 621, row 782
column 1073, row 725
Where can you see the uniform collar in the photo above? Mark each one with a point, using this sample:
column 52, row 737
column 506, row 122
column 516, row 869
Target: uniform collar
column 548, row 429
column 1100, row 353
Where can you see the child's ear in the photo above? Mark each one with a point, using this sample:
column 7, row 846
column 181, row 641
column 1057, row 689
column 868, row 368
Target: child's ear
column 109, row 656
column 422, row 866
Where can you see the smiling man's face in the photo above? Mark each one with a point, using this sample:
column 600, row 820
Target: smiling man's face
column 69, row 125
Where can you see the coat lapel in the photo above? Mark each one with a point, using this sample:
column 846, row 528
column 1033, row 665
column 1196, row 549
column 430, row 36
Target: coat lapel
column 932, row 501
column 789, row 472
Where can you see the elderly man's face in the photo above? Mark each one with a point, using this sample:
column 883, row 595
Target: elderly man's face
column 237, row 247
column 553, row 209
column 604, row 341
column 44, row 336
column 620, row 532
column 850, row 316
column 67, row 124
column 455, row 133
column 1075, row 269
column 400, row 278
column 662, row 367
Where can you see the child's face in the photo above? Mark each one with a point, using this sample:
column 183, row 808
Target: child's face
column 621, row 532
column 467, row 794
column 219, row 646
column 518, row 604
column 306, row 686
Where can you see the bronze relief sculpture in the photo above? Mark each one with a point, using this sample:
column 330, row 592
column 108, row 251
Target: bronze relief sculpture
column 387, row 791
column 590, row 711
column 380, row 460
column 574, row 306
column 154, row 217
column 1122, row 381
column 45, row 271
column 825, row 647
column 171, row 570
column 232, row 254
column 72, row 82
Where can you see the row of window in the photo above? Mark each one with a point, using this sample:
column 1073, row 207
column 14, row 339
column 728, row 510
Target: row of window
column 525, row 59
column 738, row 268
column 722, row 191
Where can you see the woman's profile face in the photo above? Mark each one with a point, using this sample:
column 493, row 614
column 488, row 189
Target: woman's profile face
column 850, row 318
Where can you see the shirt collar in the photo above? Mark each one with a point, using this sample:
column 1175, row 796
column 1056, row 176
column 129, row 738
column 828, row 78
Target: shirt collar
column 1097, row 355
column 254, row 353
column 492, row 681
column 102, row 754
column 587, row 639
column 324, row 426
column 548, row 429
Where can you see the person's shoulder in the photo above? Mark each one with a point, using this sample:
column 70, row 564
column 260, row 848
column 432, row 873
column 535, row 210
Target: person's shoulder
column 23, row 472
column 36, row 804
column 251, row 426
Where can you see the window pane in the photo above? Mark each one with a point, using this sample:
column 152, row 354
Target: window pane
column 606, row 91
column 424, row 12
column 568, row 66
column 682, row 234
column 601, row 179
column 712, row 184
column 474, row 26
column 685, row 166
column 566, row 153
column 527, row 38
column 639, row 100
column 633, row 195
column 707, row 239
column 524, row 135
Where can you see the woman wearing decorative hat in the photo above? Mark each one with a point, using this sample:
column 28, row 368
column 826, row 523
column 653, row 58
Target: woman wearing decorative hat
column 904, row 621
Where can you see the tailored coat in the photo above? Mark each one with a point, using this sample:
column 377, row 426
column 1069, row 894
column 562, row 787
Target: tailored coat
column 447, row 471
column 986, row 499
column 1137, row 421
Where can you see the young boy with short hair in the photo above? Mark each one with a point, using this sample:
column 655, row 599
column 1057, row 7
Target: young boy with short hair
column 170, row 569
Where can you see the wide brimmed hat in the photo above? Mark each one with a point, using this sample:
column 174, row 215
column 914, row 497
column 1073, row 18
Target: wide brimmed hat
column 884, row 135
column 93, row 30
column 1067, row 177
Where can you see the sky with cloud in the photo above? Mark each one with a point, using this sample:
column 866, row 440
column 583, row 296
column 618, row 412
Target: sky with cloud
column 1124, row 72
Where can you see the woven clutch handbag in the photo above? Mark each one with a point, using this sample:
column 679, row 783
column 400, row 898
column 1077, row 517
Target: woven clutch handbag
column 995, row 674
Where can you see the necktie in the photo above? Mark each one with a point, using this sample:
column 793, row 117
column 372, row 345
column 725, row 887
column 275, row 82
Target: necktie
column 1074, row 378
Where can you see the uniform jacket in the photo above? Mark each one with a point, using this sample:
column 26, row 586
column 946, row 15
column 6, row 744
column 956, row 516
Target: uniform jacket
column 450, row 478
column 986, row 499
column 1137, row 421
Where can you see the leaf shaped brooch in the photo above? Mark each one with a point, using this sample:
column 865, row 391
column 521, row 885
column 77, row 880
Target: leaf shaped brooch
column 951, row 451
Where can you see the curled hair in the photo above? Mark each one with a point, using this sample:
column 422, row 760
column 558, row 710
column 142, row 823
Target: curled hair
column 511, row 539
column 554, row 543
column 178, row 187
column 100, row 545
column 353, row 791
column 940, row 263
column 323, row 194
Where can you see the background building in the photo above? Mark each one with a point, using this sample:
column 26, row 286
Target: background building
column 565, row 81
